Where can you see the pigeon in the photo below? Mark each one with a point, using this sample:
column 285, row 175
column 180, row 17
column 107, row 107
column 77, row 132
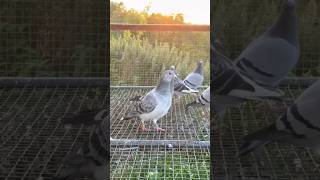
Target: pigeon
column 155, row 104
column 271, row 56
column 231, row 87
column 299, row 125
column 91, row 160
column 191, row 83
column 201, row 101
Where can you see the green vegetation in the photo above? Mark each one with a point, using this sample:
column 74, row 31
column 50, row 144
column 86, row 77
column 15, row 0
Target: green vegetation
column 238, row 22
column 171, row 166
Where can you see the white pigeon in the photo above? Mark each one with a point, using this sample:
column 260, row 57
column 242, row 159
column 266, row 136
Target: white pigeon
column 299, row 126
column 91, row 160
column 191, row 83
column 155, row 104
column 231, row 87
column 203, row 100
column 271, row 56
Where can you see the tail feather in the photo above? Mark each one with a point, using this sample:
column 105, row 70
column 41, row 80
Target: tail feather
column 130, row 115
column 87, row 117
column 136, row 98
column 252, row 141
column 220, row 110
column 189, row 105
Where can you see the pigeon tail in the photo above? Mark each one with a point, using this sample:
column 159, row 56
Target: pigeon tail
column 130, row 115
column 87, row 117
column 220, row 110
column 257, row 139
column 189, row 105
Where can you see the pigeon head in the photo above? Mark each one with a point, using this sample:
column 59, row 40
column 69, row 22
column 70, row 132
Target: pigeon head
column 289, row 4
column 199, row 68
column 285, row 26
column 220, row 63
column 173, row 68
column 166, row 82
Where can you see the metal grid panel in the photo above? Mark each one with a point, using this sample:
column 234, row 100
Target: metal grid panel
column 33, row 142
column 53, row 38
column 139, row 58
column 179, row 125
column 180, row 161
column 274, row 161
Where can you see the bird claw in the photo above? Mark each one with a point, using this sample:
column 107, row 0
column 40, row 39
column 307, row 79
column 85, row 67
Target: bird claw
column 160, row 130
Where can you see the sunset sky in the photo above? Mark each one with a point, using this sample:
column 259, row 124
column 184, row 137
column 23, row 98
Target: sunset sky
column 195, row 11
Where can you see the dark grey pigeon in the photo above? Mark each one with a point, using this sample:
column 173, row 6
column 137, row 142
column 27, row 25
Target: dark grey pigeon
column 191, row 83
column 91, row 160
column 299, row 126
column 270, row 57
column 231, row 87
column 203, row 100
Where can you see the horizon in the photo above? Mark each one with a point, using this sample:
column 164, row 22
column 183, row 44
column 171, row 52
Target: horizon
column 193, row 11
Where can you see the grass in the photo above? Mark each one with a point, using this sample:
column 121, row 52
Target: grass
column 168, row 165
column 139, row 59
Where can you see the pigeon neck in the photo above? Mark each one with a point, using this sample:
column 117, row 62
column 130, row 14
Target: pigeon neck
column 199, row 69
column 164, row 88
column 285, row 26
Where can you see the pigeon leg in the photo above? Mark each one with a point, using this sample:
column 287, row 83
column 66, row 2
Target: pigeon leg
column 143, row 128
column 157, row 128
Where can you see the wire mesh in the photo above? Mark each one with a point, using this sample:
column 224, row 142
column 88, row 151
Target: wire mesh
column 273, row 161
column 53, row 38
column 33, row 141
column 139, row 58
column 174, row 160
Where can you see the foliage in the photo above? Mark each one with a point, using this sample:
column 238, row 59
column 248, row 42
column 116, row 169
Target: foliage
column 172, row 166
column 120, row 14
column 136, row 60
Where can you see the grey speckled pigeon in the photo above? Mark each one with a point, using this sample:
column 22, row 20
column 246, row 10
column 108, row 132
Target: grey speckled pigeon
column 270, row 57
column 230, row 87
column 299, row 126
column 203, row 100
column 156, row 103
column 191, row 83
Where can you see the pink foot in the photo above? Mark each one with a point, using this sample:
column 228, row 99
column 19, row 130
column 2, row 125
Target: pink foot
column 145, row 129
column 160, row 130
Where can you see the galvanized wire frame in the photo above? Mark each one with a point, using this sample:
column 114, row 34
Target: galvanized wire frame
column 33, row 141
column 181, row 152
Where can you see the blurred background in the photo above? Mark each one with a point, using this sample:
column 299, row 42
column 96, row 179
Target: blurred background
column 238, row 22
column 52, row 38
